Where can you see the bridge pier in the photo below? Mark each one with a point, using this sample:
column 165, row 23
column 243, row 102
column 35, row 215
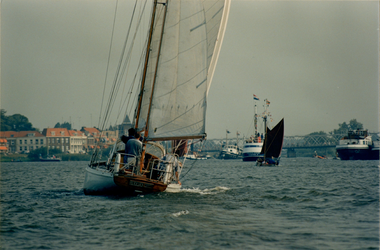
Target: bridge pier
column 291, row 153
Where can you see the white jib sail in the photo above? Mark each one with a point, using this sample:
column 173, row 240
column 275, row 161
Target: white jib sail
column 188, row 51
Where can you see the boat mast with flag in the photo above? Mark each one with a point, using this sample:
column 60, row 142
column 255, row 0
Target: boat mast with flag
column 179, row 60
column 270, row 153
column 252, row 146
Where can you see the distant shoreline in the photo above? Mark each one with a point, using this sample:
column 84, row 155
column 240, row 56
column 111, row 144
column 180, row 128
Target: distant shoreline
column 24, row 158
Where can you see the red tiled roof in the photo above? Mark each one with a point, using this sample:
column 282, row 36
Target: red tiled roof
column 13, row 134
column 55, row 132
column 7, row 134
column 25, row 133
column 92, row 130
column 76, row 133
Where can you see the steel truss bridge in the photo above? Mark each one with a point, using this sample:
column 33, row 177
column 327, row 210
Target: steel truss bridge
column 291, row 143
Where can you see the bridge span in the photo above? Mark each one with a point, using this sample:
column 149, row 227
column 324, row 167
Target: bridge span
column 324, row 142
column 291, row 143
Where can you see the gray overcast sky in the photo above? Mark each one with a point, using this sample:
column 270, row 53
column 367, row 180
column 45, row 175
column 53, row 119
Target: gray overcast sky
column 315, row 61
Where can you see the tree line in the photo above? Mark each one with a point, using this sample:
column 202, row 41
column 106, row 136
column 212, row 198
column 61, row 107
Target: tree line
column 15, row 122
column 19, row 123
column 343, row 128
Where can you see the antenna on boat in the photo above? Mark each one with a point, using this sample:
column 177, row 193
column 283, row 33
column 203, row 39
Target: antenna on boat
column 254, row 99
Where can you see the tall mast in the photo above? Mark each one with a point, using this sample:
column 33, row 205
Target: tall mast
column 155, row 70
column 226, row 138
column 265, row 114
column 266, row 104
column 146, row 64
column 154, row 79
column 255, row 138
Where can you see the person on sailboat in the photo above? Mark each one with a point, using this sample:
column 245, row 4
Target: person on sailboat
column 270, row 161
column 133, row 150
column 125, row 139
column 161, row 168
column 177, row 166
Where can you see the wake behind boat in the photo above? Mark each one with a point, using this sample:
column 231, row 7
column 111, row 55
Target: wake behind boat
column 181, row 52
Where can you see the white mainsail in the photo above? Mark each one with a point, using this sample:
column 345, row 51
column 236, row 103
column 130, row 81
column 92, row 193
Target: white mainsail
column 185, row 45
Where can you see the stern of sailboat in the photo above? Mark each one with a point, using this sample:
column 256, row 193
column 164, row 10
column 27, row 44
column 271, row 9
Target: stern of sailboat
column 146, row 181
column 132, row 182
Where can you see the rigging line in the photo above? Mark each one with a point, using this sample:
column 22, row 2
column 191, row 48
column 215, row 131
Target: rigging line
column 117, row 75
column 126, row 67
column 250, row 126
column 108, row 62
column 127, row 101
column 114, row 90
column 203, row 142
column 95, row 154
column 140, row 80
column 138, row 72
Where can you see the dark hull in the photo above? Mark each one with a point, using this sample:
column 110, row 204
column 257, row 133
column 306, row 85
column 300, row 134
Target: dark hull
column 358, row 154
column 42, row 159
column 252, row 158
column 265, row 164
column 229, row 156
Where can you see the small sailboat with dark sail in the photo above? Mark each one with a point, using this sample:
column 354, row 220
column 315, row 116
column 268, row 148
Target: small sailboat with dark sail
column 272, row 146
column 182, row 48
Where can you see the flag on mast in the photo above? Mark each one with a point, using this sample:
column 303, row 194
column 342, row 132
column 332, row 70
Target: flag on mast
column 255, row 97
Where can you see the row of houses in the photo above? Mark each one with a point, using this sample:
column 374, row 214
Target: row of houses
column 68, row 141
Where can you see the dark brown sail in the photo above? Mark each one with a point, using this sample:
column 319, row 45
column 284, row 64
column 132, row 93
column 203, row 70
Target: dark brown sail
column 273, row 141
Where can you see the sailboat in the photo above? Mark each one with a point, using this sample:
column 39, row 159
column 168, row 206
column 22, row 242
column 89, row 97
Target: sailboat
column 182, row 48
column 272, row 147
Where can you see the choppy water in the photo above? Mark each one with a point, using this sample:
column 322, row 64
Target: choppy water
column 305, row 203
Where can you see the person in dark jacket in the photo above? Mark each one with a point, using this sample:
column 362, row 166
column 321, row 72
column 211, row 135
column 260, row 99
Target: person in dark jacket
column 133, row 150
column 125, row 139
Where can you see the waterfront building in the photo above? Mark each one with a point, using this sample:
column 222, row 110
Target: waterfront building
column 22, row 142
column 92, row 135
column 78, row 141
column 57, row 138
column 111, row 136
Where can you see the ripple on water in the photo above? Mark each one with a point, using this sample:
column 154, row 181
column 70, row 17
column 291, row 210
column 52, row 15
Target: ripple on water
column 303, row 204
